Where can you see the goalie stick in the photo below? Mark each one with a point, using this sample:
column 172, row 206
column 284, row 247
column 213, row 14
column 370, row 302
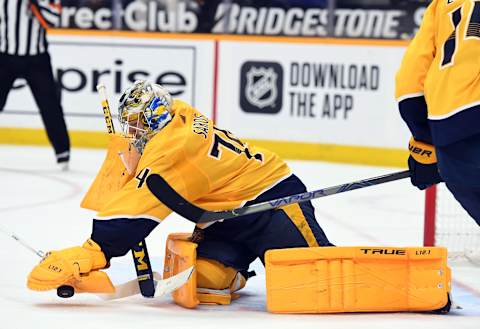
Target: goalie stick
column 15, row 237
column 168, row 196
column 162, row 287
column 141, row 260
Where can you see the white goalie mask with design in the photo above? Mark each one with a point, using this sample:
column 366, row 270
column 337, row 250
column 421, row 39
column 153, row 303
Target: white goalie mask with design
column 143, row 110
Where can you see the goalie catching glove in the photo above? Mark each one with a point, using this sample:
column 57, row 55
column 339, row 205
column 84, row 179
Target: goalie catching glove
column 77, row 267
column 422, row 164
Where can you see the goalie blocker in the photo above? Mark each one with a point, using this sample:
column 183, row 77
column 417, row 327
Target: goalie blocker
column 322, row 279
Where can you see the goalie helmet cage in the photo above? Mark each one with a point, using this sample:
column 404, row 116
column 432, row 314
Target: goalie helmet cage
column 447, row 224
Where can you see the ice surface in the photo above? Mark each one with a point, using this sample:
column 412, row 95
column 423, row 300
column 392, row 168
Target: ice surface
column 40, row 204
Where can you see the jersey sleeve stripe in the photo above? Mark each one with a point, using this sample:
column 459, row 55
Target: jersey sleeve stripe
column 406, row 96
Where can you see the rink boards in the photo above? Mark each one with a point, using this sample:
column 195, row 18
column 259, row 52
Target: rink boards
column 306, row 98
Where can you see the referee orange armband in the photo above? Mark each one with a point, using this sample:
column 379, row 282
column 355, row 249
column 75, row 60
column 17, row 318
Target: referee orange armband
column 422, row 152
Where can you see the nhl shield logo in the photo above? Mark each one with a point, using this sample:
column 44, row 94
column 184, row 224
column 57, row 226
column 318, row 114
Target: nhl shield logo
column 261, row 90
column 261, row 87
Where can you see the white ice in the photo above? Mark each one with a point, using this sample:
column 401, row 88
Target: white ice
column 40, row 204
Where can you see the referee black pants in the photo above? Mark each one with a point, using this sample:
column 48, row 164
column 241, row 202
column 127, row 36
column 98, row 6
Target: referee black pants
column 37, row 71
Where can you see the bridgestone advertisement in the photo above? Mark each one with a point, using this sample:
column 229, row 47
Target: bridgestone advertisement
column 395, row 21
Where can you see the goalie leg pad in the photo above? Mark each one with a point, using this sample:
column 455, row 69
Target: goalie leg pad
column 180, row 254
column 356, row 279
column 214, row 275
column 217, row 283
column 210, row 283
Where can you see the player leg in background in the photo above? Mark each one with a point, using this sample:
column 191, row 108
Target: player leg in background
column 7, row 67
column 459, row 166
column 39, row 77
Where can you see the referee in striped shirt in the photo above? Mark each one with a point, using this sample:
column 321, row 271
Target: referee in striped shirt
column 24, row 54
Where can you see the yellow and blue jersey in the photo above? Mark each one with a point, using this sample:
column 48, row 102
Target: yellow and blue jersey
column 438, row 84
column 208, row 166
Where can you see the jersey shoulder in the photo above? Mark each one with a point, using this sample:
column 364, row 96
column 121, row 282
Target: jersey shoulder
column 197, row 128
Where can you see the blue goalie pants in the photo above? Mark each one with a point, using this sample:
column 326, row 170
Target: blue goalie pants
column 238, row 242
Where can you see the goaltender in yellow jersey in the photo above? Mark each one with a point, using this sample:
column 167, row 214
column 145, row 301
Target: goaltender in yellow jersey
column 215, row 170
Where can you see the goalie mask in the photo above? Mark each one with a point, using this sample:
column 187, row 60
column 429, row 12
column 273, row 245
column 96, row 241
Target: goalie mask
column 143, row 110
